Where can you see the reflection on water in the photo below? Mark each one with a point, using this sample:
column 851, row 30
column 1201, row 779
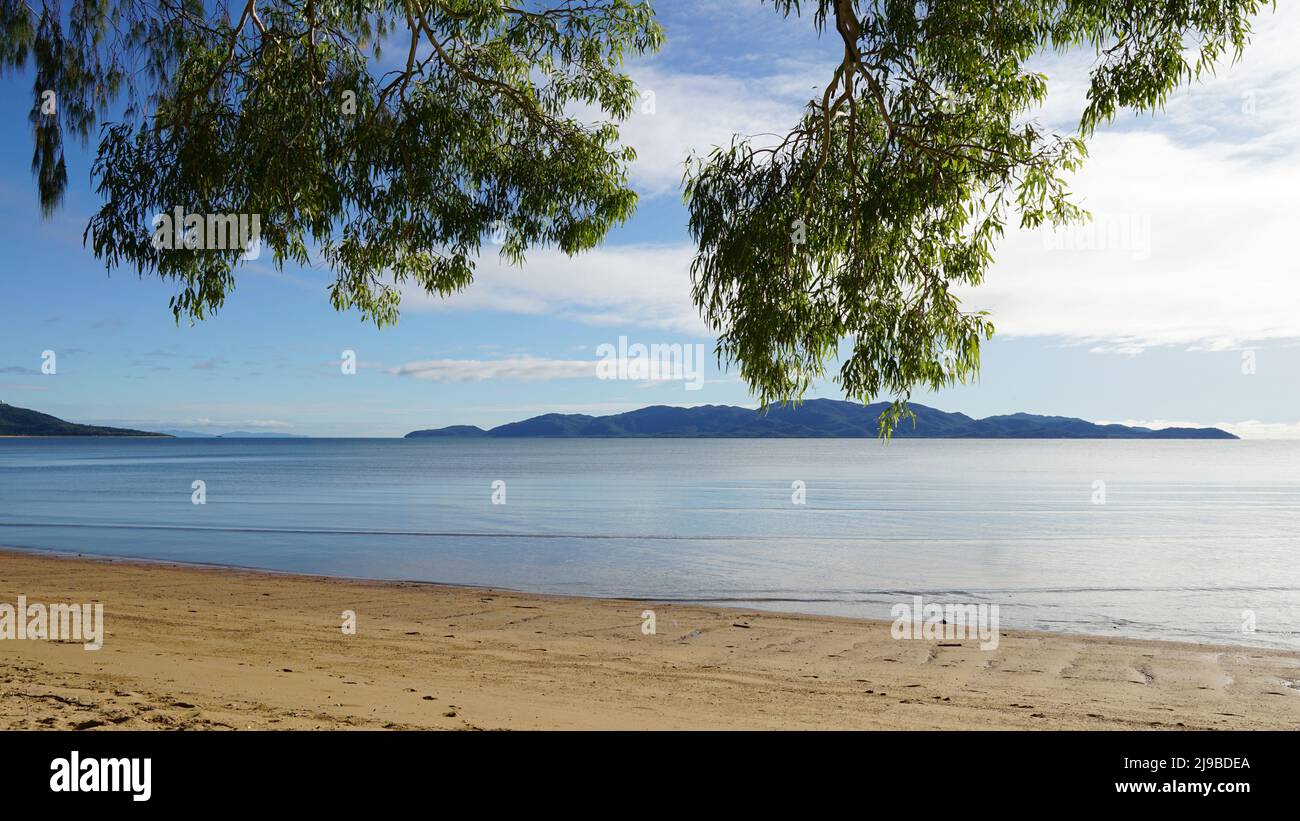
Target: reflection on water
column 1190, row 536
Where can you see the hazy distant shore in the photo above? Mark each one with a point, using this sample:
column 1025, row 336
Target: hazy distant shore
column 188, row 647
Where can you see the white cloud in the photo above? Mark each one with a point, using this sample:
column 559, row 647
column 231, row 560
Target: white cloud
column 1195, row 250
column 645, row 285
column 521, row 368
column 1209, row 186
column 1209, row 262
column 1209, row 183
column 617, row 285
column 695, row 112
column 199, row 424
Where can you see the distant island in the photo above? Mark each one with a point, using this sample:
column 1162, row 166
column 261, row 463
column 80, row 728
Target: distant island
column 234, row 434
column 23, row 422
column 814, row 419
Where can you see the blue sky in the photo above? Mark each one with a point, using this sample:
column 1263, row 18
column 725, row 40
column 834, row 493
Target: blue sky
column 1195, row 268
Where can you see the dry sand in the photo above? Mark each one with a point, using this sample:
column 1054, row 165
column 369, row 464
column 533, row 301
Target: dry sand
column 200, row 648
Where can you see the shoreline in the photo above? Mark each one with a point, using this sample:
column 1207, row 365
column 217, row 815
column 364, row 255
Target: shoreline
column 202, row 646
column 679, row 602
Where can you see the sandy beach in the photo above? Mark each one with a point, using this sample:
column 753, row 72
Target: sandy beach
column 201, row 648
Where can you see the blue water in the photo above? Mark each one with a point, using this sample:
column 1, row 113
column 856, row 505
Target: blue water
column 1190, row 536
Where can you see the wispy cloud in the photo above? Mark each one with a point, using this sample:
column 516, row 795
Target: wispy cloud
column 521, row 368
column 200, row 424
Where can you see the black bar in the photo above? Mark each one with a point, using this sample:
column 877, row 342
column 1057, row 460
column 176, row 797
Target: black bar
column 443, row 771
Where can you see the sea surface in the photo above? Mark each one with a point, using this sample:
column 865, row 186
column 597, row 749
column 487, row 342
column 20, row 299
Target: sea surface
column 1187, row 540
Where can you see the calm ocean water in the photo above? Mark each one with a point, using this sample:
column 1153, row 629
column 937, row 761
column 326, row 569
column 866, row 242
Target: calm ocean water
column 1190, row 536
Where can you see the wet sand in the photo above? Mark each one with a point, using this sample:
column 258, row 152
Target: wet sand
column 201, row 648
